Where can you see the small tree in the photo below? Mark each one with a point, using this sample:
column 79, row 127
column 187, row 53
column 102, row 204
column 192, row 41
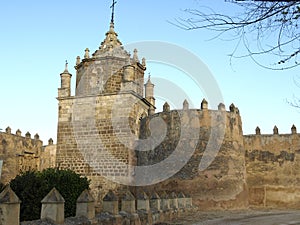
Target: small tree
column 31, row 187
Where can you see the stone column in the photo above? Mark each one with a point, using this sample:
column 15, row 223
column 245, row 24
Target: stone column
column 85, row 205
column 110, row 203
column 181, row 200
column 155, row 202
column 143, row 201
column 128, row 203
column 165, row 201
column 188, row 201
column 9, row 207
column 53, row 206
column 173, row 201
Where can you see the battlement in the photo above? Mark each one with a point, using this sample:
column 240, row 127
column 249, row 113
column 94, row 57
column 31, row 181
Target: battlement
column 204, row 108
column 19, row 134
column 22, row 153
column 275, row 132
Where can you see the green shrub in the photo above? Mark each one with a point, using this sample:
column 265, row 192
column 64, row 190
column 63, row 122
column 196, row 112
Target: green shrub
column 69, row 184
column 31, row 187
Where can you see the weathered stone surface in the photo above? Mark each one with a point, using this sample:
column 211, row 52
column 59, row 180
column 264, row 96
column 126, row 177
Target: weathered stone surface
column 85, row 205
column 20, row 154
column 9, row 207
column 272, row 163
column 222, row 184
column 53, row 207
column 110, row 203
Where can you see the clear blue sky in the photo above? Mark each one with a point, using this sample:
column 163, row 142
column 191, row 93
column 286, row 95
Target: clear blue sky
column 38, row 36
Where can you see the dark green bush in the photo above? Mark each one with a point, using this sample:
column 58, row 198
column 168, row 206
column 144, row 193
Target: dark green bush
column 31, row 187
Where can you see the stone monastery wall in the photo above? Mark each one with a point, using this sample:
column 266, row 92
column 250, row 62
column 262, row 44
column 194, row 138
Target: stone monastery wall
column 273, row 165
column 215, row 136
column 20, row 154
column 109, row 132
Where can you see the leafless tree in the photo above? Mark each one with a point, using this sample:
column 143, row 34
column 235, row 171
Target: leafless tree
column 264, row 27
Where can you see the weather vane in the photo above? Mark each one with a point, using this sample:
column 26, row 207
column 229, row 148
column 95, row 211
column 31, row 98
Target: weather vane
column 113, row 10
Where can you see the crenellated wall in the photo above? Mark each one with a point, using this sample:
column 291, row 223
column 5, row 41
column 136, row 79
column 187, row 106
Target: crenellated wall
column 273, row 165
column 22, row 153
column 217, row 137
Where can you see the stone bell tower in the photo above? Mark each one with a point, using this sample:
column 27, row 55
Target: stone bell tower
column 98, row 126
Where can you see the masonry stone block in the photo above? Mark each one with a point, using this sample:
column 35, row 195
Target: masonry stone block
column 165, row 201
column 9, row 207
column 128, row 203
column 181, row 200
column 86, row 205
column 110, row 203
column 143, row 201
column 155, row 202
column 173, row 201
column 53, row 207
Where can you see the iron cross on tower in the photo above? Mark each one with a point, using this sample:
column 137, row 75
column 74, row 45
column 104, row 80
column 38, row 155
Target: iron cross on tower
column 113, row 10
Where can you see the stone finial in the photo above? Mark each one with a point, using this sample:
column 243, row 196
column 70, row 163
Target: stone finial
column 110, row 203
column 135, row 55
column 8, row 196
column 149, row 90
column 18, row 133
column 181, row 200
column 155, row 201
column 85, row 205
column 53, row 207
column 275, row 130
column 166, row 107
column 221, row 107
column 128, row 196
column 50, row 141
column 294, row 129
column 78, row 60
column 110, row 196
column 87, row 53
column 8, row 130
column 142, row 195
column 154, row 195
column 53, row 197
column 185, row 105
column 28, row 135
column 144, row 62
column 232, row 107
column 165, row 201
column 66, row 67
column 9, row 207
column 173, row 195
column 85, row 196
column 257, row 131
column 173, row 201
column 143, row 201
column 204, row 104
column 37, row 136
column 128, row 202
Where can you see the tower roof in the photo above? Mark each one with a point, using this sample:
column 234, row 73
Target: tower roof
column 111, row 45
column 66, row 71
column 149, row 83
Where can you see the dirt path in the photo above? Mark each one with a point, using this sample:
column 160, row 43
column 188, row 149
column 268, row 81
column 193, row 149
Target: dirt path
column 242, row 218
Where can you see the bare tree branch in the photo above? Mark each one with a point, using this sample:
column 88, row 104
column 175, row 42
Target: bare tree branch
column 273, row 25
